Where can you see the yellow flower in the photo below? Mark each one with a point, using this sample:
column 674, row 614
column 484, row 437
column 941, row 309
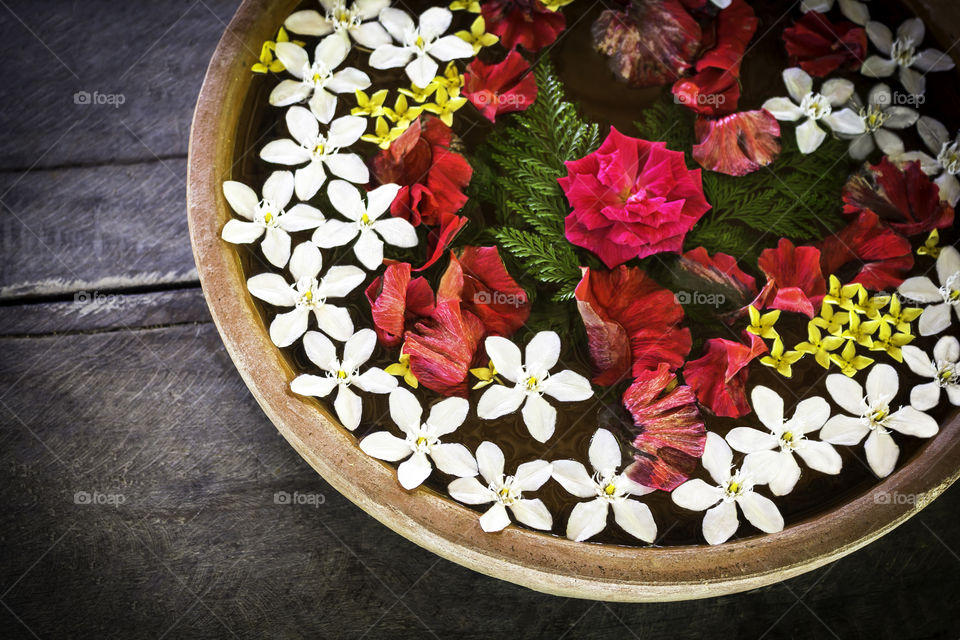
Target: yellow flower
column 931, row 247
column 762, row 325
column 267, row 61
column 444, row 106
column 402, row 114
column 861, row 332
column 819, row 346
column 471, row 6
column 899, row 317
column 371, row 106
column 402, row 368
column 485, row 375
column 478, row 36
column 871, row 306
column 842, row 296
column 383, row 135
column 848, row 360
column 451, row 80
column 419, row 94
column 553, row 5
column 831, row 321
column 891, row 342
column 779, row 360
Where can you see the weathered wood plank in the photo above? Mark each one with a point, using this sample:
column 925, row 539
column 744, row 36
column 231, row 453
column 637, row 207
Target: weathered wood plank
column 161, row 418
column 94, row 229
column 155, row 64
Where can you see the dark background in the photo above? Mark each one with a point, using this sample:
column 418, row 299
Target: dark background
column 138, row 474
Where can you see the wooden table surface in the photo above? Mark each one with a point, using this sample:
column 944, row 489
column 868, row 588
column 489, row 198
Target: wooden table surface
column 139, row 477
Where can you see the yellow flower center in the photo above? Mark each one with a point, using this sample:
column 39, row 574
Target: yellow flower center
column 610, row 489
column 341, row 375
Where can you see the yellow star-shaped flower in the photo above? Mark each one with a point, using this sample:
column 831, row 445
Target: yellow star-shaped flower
column 553, row 5
column 931, row 246
column 451, row 80
column 267, row 61
column 871, row 306
column 762, row 325
column 901, row 317
column 818, row 346
column 848, row 360
column 402, row 368
column 780, row 360
column 420, row 94
column 831, row 321
column 861, row 331
column 370, row 106
column 485, row 375
column 402, row 114
column 478, row 36
column 383, row 135
column 470, row 6
column 444, row 106
column 844, row 296
column 891, row 342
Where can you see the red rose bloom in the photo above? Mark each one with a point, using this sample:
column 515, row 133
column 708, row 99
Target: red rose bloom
column 906, row 200
column 479, row 280
column 794, row 280
column 632, row 323
column 631, row 198
column 885, row 255
column 821, row 47
column 526, row 23
column 500, row 88
column 737, row 144
column 719, row 377
column 670, row 432
column 396, row 302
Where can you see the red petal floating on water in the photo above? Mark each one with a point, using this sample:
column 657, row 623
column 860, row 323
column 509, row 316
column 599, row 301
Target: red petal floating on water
column 442, row 348
column 500, row 88
column 794, row 280
column 737, row 144
column 885, row 254
column 719, row 377
column 526, row 23
column 821, row 47
column 396, row 301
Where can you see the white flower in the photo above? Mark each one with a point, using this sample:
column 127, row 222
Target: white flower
column 422, row 442
column 317, row 81
column 505, row 492
column 854, row 11
column 879, row 115
column 364, row 223
column 770, row 456
column 872, row 415
column 307, row 294
column 608, row 489
column 936, row 317
column 420, row 47
column 531, row 381
column 268, row 216
column 343, row 374
column 345, row 21
column 943, row 368
column 815, row 107
column 316, row 150
column 946, row 161
column 733, row 488
column 903, row 53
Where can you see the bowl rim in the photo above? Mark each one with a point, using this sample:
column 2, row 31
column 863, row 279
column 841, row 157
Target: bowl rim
column 540, row 561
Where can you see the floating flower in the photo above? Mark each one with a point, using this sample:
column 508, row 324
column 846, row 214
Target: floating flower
column 819, row 346
column 794, row 280
column 317, row 82
column 267, row 217
column 880, row 115
column 906, row 200
column 608, row 489
column 470, row 6
column 844, row 296
column 505, row 492
column 631, row 198
column 370, row 106
column 763, row 325
column 719, row 376
column 364, row 223
column 815, row 107
column 419, row 46
column 871, row 306
column 442, row 347
column 669, row 431
column 525, row 23
column 401, row 369
column 397, row 302
column 347, row 21
column 891, row 343
column 402, row 115
column 477, row 36
column 420, row 94
column 485, row 376
column 307, row 294
column 505, row 87
column 720, row 501
column 421, row 448
column 737, row 144
column 444, row 105
column 903, row 54
column 872, row 414
column 931, row 246
column 831, row 321
column 383, row 134
column 943, row 368
column 852, row 9
column 650, row 43
column 770, row 455
column 861, row 331
column 451, row 80
column 945, row 163
column 267, row 63
column 632, row 323
column 849, row 361
column 318, row 151
column 821, row 47
column 900, row 317
column 936, row 317
column 343, row 374
column 885, row 255
column 779, row 360
column 531, row 380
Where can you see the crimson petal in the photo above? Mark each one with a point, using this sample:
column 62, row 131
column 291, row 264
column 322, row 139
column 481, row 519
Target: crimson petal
column 737, row 144
column 719, row 377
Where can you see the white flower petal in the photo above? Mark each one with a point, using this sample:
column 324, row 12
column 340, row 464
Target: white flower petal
column 820, row 456
column 934, row 319
column 287, row 327
column 761, row 512
column 862, row 146
column 405, row 410
column 924, row 397
column 882, row 385
column 798, row 83
column 241, row 232
column 320, row 351
column 900, row 117
column 306, row 261
column 470, row 491
column 348, row 166
column 370, row 35
column 348, row 80
column 272, row 288
column 323, row 104
column 284, row 151
column 768, row 406
column 450, row 48
column 359, row 348
column 949, row 188
column 635, row 518
column 880, row 35
column 810, row 136
column 345, row 198
column 845, row 430
column 914, row 82
column 587, row 519
column 573, row 477
column 912, row 30
column 882, row 453
column 783, row 109
column 909, row 421
column 810, row 414
column 241, row 198
column 720, row 522
column 308, row 23
column 847, row 393
column 877, row 67
column 300, row 217
column 717, row 458
column 334, row 321
column 289, row 92
column 856, row 12
column 890, row 143
column 947, row 349
column 919, row 362
column 532, row 475
column 953, row 394
column 505, row 357
column 396, row 232
column 948, row 263
column 604, row 452
column 434, row 22
column 542, row 352
column 422, row 70
column 748, row 440
column 412, row 472
column 762, row 466
column 495, row 519
column 930, row 60
column 340, row 280
column 375, row 380
column 532, row 513
column 369, row 249
column 567, row 386
column 490, row 462
column 334, row 233
column 309, row 179
column 454, row 459
column 499, row 400
column 788, row 473
column 920, row 288
column 384, row 446
column 837, row 90
column 447, row 415
column 696, row 495
column 933, row 133
column 540, row 417
column 349, row 407
column 398, row 23
column 846, row 121
column 331, row 51
column 311, row 385
column 303, row 126
column 276, row 247
column 346, row 130
column 294, row 58
column 389, row 56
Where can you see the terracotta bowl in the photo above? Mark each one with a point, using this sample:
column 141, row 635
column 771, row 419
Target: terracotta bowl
column 539, row 561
